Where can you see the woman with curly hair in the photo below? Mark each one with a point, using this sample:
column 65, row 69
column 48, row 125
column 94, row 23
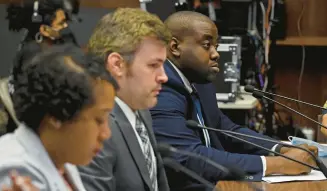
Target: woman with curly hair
column 62, row 100
column 44, row 23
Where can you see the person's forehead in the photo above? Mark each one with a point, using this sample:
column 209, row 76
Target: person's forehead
column 153, row 45
column 201, row 28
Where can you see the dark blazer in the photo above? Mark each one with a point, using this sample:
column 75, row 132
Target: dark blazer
column 174, row 107
column 121, row 165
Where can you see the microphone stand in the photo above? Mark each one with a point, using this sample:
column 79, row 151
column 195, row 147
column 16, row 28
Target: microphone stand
column 176, row 166
column 251, row 89
column 320, row 164
column 229, row 134
column 260, row 95
column 166, row 149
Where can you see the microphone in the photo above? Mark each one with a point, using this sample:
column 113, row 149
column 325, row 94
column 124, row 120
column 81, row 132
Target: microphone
column 251, row 89
column 232, row 173
column 194, row 125
column 178, row 167
column 319, row 163
column 260, row 95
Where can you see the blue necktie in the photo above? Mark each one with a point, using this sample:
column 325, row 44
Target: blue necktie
column 199, row 115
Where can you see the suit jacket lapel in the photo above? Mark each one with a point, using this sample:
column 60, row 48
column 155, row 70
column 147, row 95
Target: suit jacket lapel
column 131, row 140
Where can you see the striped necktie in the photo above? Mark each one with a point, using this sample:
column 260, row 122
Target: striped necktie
column 147, row 149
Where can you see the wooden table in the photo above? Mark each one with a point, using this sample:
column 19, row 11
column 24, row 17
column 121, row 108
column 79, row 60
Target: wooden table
column 287, row 186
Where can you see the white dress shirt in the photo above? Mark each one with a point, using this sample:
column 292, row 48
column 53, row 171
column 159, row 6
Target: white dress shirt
column 24, row 152
column 131, row 116
column 189, row 88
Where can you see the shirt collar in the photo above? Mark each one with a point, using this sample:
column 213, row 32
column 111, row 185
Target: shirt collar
column 186, row 82
column 129, row 113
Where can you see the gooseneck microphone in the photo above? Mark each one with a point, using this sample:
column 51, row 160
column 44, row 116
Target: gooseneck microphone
column 260, row 95
column 231, row 172
column 320, row 164
column 194, row 125
column 251, row 89
column 178, row 167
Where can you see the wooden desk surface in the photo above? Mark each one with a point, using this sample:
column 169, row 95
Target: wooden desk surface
column 287, row 186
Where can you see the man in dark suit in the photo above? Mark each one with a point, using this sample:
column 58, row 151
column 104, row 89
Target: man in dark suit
column 133, row 44
column 188, row 94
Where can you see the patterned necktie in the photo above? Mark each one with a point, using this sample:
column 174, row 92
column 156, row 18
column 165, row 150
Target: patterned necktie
column 147, row 149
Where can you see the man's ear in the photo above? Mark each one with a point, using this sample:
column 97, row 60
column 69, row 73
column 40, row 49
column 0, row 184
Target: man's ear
column 115, row 64
column 174, row 47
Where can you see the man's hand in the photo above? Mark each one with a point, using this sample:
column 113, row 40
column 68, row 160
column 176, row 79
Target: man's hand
column 324, row 122
column 19, row 183
column 293, row 168
column 279, row 165
column 313, row 149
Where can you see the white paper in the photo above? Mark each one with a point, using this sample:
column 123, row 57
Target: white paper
column 313, row 175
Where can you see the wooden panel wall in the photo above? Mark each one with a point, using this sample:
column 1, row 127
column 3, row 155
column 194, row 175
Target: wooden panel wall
column 313, row 22
column 287, row 59
column 287, row 64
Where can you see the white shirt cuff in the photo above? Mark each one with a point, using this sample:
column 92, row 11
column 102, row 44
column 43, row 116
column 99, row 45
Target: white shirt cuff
column 274, row 147
column 264, row 165
column 264, row 162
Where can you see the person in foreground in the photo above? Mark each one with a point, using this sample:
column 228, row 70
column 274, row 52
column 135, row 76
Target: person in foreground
column 189, row 94
column 43, row 23
column 63, row 101
column 132, row 44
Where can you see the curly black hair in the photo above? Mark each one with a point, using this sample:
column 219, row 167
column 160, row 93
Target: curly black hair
column 19, row 14
column 23, row 56
column 52, row 85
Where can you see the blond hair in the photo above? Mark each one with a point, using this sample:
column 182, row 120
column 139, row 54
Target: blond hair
column 123, row 30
